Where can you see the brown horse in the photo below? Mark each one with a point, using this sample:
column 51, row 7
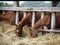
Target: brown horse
column 42, row 22
column 45, row 21
column 57, row 20
column 22, row 23
column 28, row 19
column 9, row 17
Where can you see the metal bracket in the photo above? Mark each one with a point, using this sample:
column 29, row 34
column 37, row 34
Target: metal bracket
column 29, row 8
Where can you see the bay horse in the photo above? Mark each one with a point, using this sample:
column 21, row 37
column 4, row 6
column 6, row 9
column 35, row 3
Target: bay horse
column 46, row 21
column 9, row 16
column 38, row 24
column 57, row 25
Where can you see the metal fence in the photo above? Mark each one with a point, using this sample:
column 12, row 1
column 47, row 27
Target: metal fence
column 33, row 9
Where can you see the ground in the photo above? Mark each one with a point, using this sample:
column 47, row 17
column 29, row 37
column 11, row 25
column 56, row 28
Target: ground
column 9, row 37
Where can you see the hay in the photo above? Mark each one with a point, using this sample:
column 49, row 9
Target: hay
column 8, row 37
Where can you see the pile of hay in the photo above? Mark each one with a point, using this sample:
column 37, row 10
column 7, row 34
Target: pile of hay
column 9, row 37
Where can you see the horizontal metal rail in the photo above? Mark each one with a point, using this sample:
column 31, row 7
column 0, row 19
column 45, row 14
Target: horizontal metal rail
column 50, row 30
column 51, row 9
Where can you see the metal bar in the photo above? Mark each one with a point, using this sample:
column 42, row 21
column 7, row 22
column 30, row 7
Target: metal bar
column 33, row 19
column 54, row 3
column 50, row 9
column 17, row 17
column 42, row 16
column 3, row 12
column 53, row 20
column 24, row 14
column 16, row 4
column 51, row 30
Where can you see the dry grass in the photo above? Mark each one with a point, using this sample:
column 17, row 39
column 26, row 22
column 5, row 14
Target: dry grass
column 8, row 37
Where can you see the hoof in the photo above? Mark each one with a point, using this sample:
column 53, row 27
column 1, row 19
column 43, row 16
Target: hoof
column 33, row 33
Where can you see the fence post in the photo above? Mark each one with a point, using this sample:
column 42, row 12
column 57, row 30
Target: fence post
column 3, row 12
column 24, row 14
column 53, row 20
column 42, row 16
column 33, row 19
column 17, row 19
column 16, row 4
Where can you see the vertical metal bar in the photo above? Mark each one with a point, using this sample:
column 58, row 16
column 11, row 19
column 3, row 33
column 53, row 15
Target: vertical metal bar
column 53, row 21
column 15, row 4
column 17, row 17
column 17, row 13
column 3, row 12
column 33, row 19
column 24, row 14
column 42, row 16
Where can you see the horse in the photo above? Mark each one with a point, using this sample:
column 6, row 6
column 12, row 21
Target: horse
column 40, row 23
column 9, row 16
column 28, row 19
column 57, row 14
column 44, row 22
